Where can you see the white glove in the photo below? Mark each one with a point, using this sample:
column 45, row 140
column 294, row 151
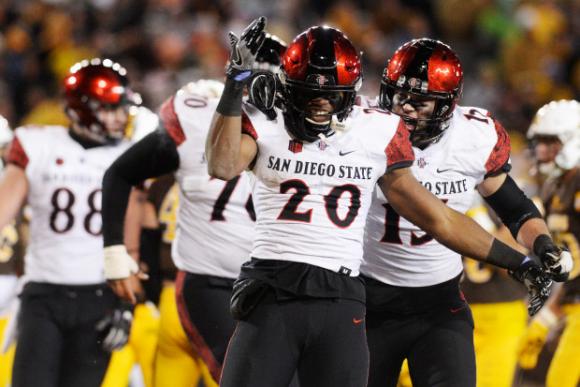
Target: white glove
column 557, row 260
column 118, row 263
column 560, row 262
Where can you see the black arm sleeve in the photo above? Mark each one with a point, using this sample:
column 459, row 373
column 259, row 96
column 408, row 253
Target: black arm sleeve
column 154, row 155
column 512, row 205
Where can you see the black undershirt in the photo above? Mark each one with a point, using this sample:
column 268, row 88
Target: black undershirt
column 154, row 155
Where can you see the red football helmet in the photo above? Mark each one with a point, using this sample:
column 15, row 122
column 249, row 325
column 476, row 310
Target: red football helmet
column 426, row 69
column 91, row 85
column 320, row 63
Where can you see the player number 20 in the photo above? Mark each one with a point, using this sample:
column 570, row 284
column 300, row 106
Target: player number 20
column 291, row 211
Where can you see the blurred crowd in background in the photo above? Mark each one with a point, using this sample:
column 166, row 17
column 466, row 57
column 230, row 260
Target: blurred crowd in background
column 517, row 54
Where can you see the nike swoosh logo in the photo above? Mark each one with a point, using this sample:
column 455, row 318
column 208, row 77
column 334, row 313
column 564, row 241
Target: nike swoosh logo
column 455, row 310
column 357, row 321
column 341, row 153
column 443, row 170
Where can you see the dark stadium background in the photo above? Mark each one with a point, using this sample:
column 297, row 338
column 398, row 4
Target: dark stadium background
column 517, row 55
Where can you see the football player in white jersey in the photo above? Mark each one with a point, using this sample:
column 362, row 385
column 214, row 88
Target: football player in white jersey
column 415, row 309
column 58, row 171
column 215, row 219
column 300, row 301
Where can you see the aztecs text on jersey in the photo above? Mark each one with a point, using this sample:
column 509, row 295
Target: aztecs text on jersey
column 64, row 196
column 312, row 198
column 399, row 253
column 562, row 203
column 215, row 221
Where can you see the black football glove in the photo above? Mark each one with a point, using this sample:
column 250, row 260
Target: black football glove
column 244, row 50
column 538, row 282
column 556, row 260
column 115, row 327
column 262, row 93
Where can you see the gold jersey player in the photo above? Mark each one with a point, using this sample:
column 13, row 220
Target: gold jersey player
column 300, row 301
column 555, row 135
column 176, row 363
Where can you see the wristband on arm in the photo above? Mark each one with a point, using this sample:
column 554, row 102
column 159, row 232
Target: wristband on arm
column 230, row 104
column 503, row 256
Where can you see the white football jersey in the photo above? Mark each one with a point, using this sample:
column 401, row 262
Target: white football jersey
column 312, row 199
column 215, row 221
column 64, row 198
column 399, row 253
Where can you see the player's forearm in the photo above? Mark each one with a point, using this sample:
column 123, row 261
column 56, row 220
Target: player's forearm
column 225, row 136
column 13, row 192
column 223, row 146
column 463, row 235
column 530, row 230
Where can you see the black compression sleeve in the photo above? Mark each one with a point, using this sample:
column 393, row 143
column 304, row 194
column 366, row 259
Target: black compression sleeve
column 512, row 205
column 154, row 155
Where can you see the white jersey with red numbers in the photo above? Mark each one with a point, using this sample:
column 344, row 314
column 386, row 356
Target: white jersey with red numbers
column 312, row 199
column 64, row 197
column 215, row 221
column 399, row 253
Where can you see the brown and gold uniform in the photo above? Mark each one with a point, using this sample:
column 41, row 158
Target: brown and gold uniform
column 499, row 314
column 562, row 202
column 176, row 365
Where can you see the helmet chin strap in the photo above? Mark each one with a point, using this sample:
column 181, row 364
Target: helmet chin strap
column 319, row 128
column 324, row 123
